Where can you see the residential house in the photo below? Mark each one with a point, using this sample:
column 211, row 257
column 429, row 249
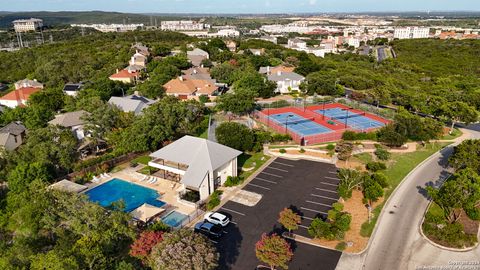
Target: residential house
column 196, row 56
column 126, row 76
column 271, row 70
column 12, row 135
column 272, row 39
column 133, row 103
column 26, row 83
column 72, row 89
column 18, row 97
column 140, row 48
column 198, row 164
column 138, row 59
column 297, row 43
column 73, row 121
column 286, row 81
column 185, row 88
column 232, row 46
column 257, row 51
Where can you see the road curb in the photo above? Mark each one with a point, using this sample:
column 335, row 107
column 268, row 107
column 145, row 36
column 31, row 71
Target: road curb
column 297, row 238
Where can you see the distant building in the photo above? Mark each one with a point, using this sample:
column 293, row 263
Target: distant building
column 182, row 26
column 225, row 33
column 232, row 46
column 73, row 121
column 72, row 89
column 286, row 81
column 411, row 32
column 133, row 103
column 12, row 135
column 269, row 39
column 111, row 27
column 354, row 42
column 27, row 25
column 297, row 43
column 271, row 70
column 28, row 83
column 257, row 51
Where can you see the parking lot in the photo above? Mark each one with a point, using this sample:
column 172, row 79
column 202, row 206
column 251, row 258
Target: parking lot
column 307, row 187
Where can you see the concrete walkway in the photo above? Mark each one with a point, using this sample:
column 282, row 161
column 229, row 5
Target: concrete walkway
column 396, row 242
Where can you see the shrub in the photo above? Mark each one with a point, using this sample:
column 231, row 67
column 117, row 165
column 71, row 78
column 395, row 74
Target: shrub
column 341, row 246
column 320, row 229
column 376, row 166
column 233, row 181
column 281, row 138
column 191, row 196
column 382, row 154
column 301, row 150
column 337, row 207
column 133, row 163
column 159, row 226
column 330, row 147
column 214, row 199
column 358, row 136
column 473, row 213
column 282, row 151
column 381, row 179
column 203, row 99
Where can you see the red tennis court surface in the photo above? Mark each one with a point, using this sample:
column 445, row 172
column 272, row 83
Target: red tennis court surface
column 336, row 126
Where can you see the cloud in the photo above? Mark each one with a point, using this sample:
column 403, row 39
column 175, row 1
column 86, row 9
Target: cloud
column 312, row 2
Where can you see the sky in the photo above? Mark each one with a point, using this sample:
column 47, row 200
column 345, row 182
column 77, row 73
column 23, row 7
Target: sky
column 239, row 6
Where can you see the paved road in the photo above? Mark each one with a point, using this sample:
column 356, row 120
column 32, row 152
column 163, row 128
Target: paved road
column 397, row 243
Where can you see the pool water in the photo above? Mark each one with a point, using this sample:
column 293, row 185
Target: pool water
column 132, row 194
column 174, row 219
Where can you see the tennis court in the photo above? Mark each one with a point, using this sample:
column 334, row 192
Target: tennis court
column 298, row 124
column 353, row 119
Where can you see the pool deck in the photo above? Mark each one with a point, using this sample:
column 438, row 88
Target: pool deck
column 162, row 186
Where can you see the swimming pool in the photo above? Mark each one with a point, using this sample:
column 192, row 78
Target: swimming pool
column 174, row 219
column 132, row 194
column 299, row 124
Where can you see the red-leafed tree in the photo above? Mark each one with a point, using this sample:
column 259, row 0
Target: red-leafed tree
column 289, row 219
column 143, row 245
column 274, row 251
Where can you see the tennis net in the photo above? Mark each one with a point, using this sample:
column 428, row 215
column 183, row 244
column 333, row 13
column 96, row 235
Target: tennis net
column 353, row 115
column 293, row 122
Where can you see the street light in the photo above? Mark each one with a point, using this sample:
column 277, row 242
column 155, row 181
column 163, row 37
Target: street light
column 346, row 119
column 286, row 123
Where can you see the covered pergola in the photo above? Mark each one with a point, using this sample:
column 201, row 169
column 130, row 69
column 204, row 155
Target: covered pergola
column 146, row 212
column 68, row 186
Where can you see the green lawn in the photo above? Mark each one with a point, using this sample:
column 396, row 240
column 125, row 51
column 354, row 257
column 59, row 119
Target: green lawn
column 142, row 160
column 364, row 157
column 455, row 134
column 248, row 160
column 401, row 165
column 204, row 134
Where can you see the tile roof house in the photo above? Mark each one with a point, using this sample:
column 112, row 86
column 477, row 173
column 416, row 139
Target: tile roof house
column 72, row 120
column 272, row 70
column 26, row 83
column 185, row 88
column 197, row 56
column 12, row 135
column 133, row 103
column 72, row 89
column 286, row 81
column 125, row 76
column 202, row 165
column 18, row 97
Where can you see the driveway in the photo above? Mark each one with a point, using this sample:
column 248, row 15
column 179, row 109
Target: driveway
column 397, row 243
column 284, row 183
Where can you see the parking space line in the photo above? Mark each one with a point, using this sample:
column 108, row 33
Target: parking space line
column 319, row 203
column 274, row 175
column 333, row 172
column 316, row 211
column 253, row 185
column 332, row 191
column 233, row 222
column 233, row 211
column 331, row 178
column 301, row 226
column 273, row 168
column 325, row 183
column 307, row 218
column 265, row 180
column 276, row 162
column 325, row 197
column 215, row 242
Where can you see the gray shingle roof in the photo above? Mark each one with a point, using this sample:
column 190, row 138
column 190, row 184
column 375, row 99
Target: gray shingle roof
column 132, row 103
column 285, row 76
column 199, row 154
column 70, row 119
column 14, row 128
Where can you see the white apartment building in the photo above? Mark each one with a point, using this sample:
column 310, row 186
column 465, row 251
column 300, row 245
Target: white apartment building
column 354, row 41
column 225, row 33
column 182, row 26
column 27, row 25
column 411, row 32
column 110, row 27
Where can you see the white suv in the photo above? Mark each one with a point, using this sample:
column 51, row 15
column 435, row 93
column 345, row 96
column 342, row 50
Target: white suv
column 217, row 218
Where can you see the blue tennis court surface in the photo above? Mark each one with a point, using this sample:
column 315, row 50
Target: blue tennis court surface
column 299, row 124
column 355, row 120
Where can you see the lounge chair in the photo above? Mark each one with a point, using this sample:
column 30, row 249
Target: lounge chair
column 149, row 179
column 95, row 179
column 154, row 180
column 143, row 178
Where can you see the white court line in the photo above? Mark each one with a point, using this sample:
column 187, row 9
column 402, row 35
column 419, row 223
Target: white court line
column 325, row 183
column 319, row 203
column 325, row 197
column 301, row 226
column 277, row 169
column 233, row 211
column 265, row 180
column 274, row 175
column 331, row 178
column 276, row 162
column 326, row 190
column 316, row 211
column 253, row 185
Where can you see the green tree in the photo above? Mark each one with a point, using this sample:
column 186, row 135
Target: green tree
column 372, row 190
column 289, row 219
column 241, row 102
column 349, row 180
column 235, row 135
column 390, row 136
column 459, row 112
column 274, row 251
column 183, row 249
column 463, row 153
